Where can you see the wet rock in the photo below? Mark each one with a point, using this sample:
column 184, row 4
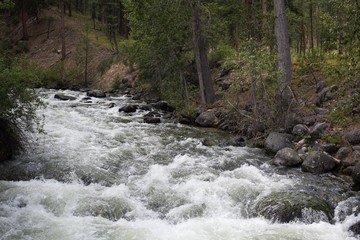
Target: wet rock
column 112, row 208
column 96, row 93
column 137, row 96
column 64, row 97
column 319, row 162
column 207, row 119
column 152, row 117
column 145, row 107
column 277, row 141
column 152, row 120
column 162, row 105
column 185, row 118
column 111, row 105
column 285, row 207
column 128, row 108
column 355, row 228
column 240, row 141
column 353, row 136
column 287, row 157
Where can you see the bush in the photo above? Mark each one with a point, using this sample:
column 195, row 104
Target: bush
column 18, row 103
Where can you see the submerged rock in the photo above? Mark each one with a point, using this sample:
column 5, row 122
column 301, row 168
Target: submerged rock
column 128, row 108
column 96, row 93
column 287, row 157
column 277, row 141
column 287, row 207
column 64, row 97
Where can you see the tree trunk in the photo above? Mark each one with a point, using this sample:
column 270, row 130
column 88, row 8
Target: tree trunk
column 285, row 97
column 69, row 8
column 282, row 41
column 311, row 26
column 200, row 52
column 24, row 18
column 62, row 31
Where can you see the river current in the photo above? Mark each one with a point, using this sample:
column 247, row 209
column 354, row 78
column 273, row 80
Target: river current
column 96, row 173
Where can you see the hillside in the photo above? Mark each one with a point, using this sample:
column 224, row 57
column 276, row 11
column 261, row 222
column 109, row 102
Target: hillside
column 44, row 48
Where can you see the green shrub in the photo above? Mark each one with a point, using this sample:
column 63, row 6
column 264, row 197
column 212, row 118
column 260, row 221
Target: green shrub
column 19, row 101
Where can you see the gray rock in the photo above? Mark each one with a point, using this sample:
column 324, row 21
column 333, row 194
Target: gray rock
column 64, row 97
column 353, row 137
column 326, row 95
column 152, row 120
column 300, row 130
column 128, row 108
column 318, row 130
column 320, row 86
column 162, row 105
column 355, row 228
column 356, row 173
column 207, row 119
column 330, row 148
column 287, row 157
column 319, row 162
column 343, row 153
column 277, row 141
column 96, row 93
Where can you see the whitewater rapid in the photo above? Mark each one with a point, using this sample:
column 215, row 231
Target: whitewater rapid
column 96, row 173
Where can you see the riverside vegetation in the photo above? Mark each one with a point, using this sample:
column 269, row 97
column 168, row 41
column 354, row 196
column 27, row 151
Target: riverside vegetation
column 217, row 63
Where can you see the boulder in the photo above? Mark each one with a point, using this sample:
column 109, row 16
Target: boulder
column 353, row 136
column 277, row 141
column 326, row 95
column 185, row 118
column 343, row 153
column 356, row 173
column 152, row 120
column 96, row 93
column 207, row 119
column 319, row 162
column 152, row 117
column 64, row 97
column 355, row 228
column 162, row 105
column 128, row 108
column 330, row 148
column 285, row 207
column 300, row 130
column 318, row 130
column 287, row 157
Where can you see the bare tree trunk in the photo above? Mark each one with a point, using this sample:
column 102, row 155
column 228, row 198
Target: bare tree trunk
column 284, row 63
column 200, row 51
column 24, row 18
column 62, row 31
column 311, row 26
column 282, row 41
column 69, row 8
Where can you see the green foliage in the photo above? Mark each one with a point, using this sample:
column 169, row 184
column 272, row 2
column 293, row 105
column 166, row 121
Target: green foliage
column 159, row 45
column 104, row 65
column 18, row 100
column 332, row 138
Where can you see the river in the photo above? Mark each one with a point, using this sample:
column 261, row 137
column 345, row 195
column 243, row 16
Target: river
column 96, row 173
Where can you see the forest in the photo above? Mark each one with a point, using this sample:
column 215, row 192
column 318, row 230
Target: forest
column 183, row 51
column 180, row 119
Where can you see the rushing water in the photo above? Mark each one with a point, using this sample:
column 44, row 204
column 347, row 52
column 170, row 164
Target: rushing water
column 96, row 173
